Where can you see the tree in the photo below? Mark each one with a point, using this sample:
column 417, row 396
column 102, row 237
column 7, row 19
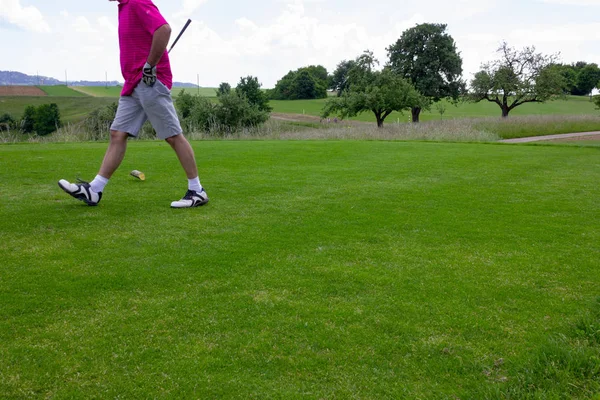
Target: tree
column 28, row 119
column 305, row 86
column 250, row 87
column 47, row 119
column 380, row 92
column 427, row 57
column 569, row 76
column 185, row 103
column 339, row 79
column 305, row 83
column 516, row 78
column 284, row 88
column 587, row 79
column 224, row 88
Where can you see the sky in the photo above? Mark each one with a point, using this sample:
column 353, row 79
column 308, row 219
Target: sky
column 229, row 39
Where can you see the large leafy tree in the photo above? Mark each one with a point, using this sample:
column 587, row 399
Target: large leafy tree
column 588, row 77
column 305, row 83
column 518, row 77
column 427, row 57
column 380, row 92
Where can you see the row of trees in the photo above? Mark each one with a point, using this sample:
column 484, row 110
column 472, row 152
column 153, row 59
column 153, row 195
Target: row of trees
column 425, row 67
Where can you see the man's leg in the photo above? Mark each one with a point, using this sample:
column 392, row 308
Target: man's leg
column 196, row 195
column 185, row 153
column 160, row 110
column 130, row 118
column 112, row 159
column 114, row 154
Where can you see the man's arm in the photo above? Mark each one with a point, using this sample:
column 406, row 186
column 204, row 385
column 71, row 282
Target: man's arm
column 160, row 41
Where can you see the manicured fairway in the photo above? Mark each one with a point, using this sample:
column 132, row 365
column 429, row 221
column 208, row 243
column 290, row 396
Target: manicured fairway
column 338, row 270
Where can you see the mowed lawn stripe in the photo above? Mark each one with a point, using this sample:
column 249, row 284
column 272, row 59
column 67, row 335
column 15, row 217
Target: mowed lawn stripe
column 318, row 270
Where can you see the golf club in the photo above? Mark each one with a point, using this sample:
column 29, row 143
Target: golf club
column 189, row 21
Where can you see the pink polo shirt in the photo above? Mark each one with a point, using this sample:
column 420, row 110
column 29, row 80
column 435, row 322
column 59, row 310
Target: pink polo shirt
column 138, row 20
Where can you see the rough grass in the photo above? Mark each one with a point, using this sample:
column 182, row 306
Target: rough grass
column 456, row 130
column 320, row 269
column 538, row 125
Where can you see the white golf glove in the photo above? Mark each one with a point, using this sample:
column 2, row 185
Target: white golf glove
column 149, row 75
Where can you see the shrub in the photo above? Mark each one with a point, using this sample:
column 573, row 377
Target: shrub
column 233, row 112
column 7, row 122
column 47, row 119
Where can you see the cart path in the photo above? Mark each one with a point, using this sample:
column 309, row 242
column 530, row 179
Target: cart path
column 576, row 136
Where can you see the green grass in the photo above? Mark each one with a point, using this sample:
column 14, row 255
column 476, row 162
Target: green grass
column 101, row 91
column 324, row 269
column 115, row 91
column 574, row 105
column 204, row 92
column 61, row 91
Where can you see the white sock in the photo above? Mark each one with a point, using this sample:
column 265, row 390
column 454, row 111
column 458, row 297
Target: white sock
column 194, row 184
column 97, row 185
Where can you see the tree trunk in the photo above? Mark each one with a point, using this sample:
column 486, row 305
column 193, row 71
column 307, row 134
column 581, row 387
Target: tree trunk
column 379, row 121
column 505, row 111
column 416, row 111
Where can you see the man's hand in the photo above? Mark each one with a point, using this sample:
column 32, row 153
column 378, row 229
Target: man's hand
column 149, row 74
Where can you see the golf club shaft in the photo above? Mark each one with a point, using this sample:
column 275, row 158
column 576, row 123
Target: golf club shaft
column 189, row 21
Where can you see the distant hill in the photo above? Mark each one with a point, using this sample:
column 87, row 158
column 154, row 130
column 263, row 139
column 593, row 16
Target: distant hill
column 14, row 78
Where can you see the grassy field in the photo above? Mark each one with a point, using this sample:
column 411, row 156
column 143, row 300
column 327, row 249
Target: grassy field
column 353, row 269
column 115, row 91
column 101, row 91
column 61, row 91
column 576, row 114
column 574, row 105
column 72, row 109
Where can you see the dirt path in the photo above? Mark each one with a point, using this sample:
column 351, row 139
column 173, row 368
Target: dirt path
column 563, row 137
column 78, row 89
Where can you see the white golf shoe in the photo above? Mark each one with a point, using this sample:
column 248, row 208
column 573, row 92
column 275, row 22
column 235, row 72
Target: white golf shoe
column 81, row 191
column 191, row 199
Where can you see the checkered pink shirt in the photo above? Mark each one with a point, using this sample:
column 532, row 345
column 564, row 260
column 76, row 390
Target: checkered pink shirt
column 138, row 20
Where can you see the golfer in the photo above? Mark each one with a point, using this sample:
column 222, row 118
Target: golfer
column 143, row 38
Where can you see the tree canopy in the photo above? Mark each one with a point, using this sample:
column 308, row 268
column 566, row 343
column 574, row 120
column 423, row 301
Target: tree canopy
column 517, row 77
column 251, row 88
column 305, row 83
column 427, row 57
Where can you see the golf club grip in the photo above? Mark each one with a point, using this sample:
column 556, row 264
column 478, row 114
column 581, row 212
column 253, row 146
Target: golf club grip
column 189, row 21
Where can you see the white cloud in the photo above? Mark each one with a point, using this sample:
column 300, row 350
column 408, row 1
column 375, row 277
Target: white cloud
column 82, row 25
column 189, row 6
column 29, row 18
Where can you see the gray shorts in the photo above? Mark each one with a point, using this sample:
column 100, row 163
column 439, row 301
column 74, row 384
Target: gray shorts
column 147, row 103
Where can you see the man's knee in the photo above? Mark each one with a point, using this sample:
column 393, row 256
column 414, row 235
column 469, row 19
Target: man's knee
column 118, row 136
column 175, row 139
